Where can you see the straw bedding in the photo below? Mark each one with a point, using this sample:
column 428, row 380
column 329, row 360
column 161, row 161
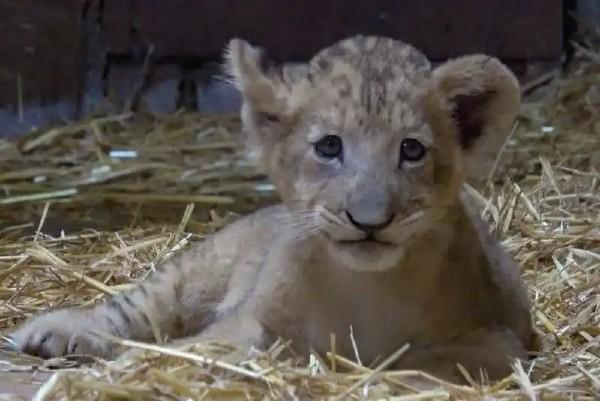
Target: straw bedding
column 88, row 209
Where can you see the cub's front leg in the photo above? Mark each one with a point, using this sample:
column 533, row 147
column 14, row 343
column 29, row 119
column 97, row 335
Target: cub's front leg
column 179, row 300
column 176, row 301
column 74, row 331
column 64, row 332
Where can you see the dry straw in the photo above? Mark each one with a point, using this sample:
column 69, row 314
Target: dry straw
column 90, row 208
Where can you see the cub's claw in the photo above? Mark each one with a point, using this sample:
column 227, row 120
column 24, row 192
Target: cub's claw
column 59, row 334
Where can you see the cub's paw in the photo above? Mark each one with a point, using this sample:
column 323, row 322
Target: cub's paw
column 60, row 333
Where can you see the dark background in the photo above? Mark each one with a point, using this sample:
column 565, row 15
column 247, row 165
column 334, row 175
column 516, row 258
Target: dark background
column 66, row 59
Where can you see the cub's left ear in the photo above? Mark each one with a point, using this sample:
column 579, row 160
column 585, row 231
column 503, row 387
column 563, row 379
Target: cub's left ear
column 484, row 99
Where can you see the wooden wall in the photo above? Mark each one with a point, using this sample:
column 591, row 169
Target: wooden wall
column 63, row 59
column 40, row 62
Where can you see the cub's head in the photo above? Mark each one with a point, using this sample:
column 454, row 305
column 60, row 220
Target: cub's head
column 367, row 144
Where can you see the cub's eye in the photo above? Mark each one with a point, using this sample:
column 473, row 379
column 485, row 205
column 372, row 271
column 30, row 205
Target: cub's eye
column 411, row 150
column 329, row 147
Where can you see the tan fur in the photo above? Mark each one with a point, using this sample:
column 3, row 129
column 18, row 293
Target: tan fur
column 436, row 279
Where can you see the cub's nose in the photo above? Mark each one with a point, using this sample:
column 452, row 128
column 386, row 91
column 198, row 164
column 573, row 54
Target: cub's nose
column 370, row 226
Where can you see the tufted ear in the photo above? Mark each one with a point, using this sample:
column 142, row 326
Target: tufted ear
column 270, row 90
column 251, row 72
column 271, row 95
column 483, row 97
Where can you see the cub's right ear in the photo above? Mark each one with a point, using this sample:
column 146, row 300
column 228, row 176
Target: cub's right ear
column 252, row 73
column 269, row 90
column 271, row 95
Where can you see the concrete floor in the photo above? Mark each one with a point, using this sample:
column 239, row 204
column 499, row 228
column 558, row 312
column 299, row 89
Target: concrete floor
column 21, row 384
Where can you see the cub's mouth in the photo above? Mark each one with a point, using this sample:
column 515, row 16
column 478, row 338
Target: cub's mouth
column 369, row 240
column 366, row 253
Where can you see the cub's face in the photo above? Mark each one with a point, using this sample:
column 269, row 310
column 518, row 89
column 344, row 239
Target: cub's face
column 366, row 144
column 363, row 166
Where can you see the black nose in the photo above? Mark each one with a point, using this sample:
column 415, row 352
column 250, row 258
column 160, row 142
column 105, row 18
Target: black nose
column 370, row 227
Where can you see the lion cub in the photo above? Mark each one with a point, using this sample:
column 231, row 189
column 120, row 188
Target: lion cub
column 368, row 147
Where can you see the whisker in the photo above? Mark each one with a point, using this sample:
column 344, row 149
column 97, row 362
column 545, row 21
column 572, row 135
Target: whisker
column 304, row 234
column 297, row 219
column 309, row 222
column 296, row 214
column 330, row 216
column 304, row 227
column 301, row 225
column 412, row 218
